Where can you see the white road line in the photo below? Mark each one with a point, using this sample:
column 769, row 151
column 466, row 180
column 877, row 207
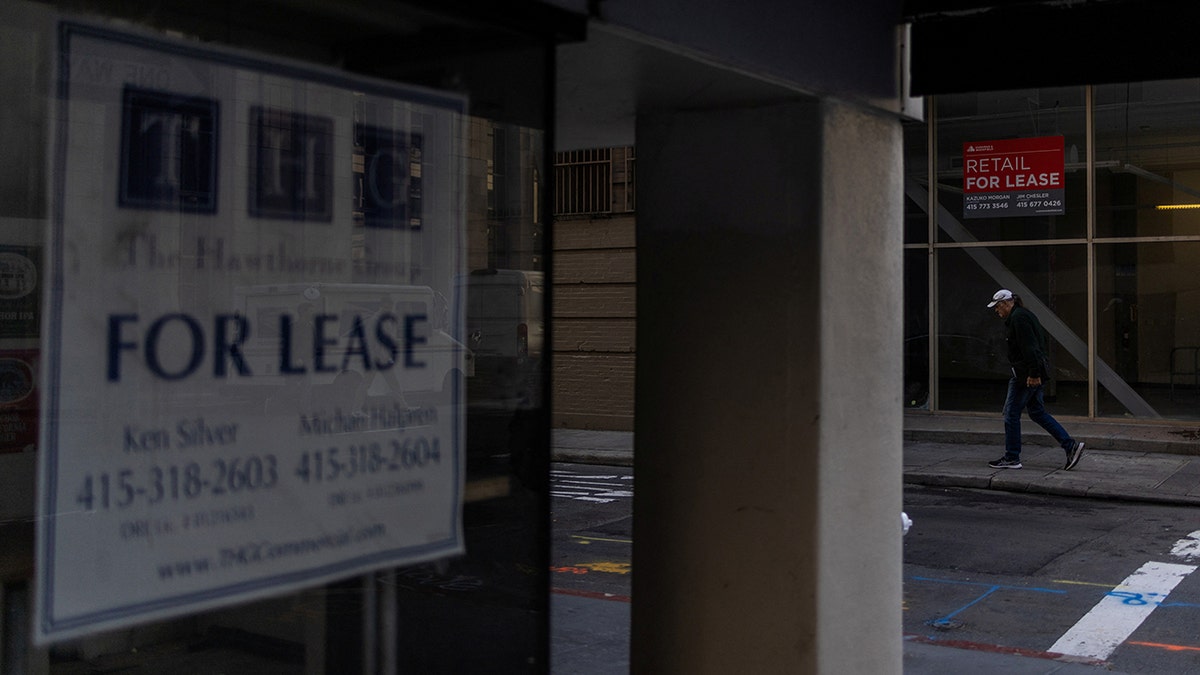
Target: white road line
column 1188, row 548
column 603, row 489
column 588, row 482
column 1121, row 611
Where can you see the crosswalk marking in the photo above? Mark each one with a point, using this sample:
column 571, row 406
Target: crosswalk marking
column 601, row 489
column 599, row 500
column 1120, row 612
column 1187, row 548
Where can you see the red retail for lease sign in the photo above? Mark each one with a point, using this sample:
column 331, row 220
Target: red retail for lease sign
column 1013, row 177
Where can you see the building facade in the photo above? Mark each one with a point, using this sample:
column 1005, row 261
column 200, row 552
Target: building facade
column 595, row 275
column 1110, row 272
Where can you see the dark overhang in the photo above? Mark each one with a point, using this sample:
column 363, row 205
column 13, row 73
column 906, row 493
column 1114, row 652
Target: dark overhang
column 973, row 45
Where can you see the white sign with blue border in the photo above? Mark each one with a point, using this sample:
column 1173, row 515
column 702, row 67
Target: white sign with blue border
column 253, row 364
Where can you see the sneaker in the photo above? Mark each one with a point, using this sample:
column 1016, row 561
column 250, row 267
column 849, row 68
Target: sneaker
column 1005, row 463
column 1073, row 456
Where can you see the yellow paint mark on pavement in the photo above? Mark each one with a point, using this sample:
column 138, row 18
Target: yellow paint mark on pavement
column 1089, row 583
column 609, row 567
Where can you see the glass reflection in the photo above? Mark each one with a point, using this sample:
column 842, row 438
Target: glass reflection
column 1147, row 182
column 1026, row 113
column 483, row 611
column 1148, row 325
column 973, row 369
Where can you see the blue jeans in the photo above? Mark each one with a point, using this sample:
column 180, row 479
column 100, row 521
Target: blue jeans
column 1021, row 397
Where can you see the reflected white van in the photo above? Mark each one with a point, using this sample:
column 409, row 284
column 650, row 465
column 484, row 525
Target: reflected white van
column 506, row 335
column 504, row 313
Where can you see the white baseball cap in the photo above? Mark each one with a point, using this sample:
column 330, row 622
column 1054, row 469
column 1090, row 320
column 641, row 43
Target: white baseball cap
column 1000, row 296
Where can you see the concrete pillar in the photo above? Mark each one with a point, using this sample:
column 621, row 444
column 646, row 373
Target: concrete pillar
column 768, row 418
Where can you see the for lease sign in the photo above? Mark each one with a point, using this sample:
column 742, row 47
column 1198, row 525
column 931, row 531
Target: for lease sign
column 1013, row 177
column 252, row 360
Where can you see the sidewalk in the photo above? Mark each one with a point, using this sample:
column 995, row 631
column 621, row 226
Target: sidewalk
column 1132, row 461
column 1122, row 461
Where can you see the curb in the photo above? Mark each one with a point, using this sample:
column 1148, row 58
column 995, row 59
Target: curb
column 1094, row 441
column 1034, row 487
column 592, row 456
column 1170, row 439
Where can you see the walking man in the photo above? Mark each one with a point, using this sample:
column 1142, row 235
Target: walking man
column 1027, row 353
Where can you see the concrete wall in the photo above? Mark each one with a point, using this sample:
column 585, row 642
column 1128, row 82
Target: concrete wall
column 768, row 430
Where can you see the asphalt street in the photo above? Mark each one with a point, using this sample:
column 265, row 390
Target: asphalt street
column 1148, row 463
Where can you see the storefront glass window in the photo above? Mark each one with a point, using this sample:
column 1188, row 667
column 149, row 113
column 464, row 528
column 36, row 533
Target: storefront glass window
column 365, row 191
column 1145, row 245
column 1148, row 233
column 916, row 328
column 916, row 266
column 999, row 116
column 916, row 184
column 1147, row 159
column 1148, row 328
column 973, row 367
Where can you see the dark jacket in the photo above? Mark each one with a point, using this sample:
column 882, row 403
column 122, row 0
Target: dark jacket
column 1027, row 348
